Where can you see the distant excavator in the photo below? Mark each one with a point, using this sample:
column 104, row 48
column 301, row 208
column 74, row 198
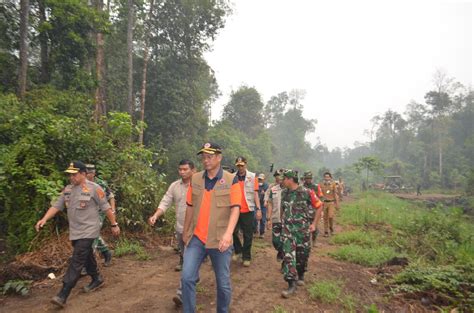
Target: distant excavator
column 392, row 184
column 395, row 184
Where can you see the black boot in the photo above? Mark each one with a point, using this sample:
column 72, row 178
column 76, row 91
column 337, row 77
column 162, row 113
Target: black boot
column 300, row 281
column 61, row 297
column 96, row 283
column 291, row 289
column 280, row 256
column 107, row 257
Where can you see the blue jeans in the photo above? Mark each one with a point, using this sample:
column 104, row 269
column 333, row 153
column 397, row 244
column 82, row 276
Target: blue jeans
column 194, row 254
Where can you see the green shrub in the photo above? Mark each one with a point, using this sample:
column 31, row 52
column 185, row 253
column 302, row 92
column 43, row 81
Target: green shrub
column 439, row 236
column 453, row 284
column 130, row 247
column 363, row 255
column 166, row 224
column 38, row 139
column 21, row 287
column 470, row 183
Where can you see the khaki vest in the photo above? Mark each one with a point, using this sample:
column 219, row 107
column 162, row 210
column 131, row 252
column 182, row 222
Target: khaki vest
column 329, row 190
column 220, row 207
column 249, row 190
column 276, row 203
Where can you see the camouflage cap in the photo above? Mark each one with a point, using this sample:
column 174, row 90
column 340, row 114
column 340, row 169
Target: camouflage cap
column 308, row 174
column 290, row 174
column 279, row 172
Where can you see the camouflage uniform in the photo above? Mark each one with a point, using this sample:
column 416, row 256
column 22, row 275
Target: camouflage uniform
column 99, row 242
column 297, row 216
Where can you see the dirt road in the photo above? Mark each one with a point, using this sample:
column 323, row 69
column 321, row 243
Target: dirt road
column 148, row 286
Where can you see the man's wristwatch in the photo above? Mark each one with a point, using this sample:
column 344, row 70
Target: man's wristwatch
column 114, row 225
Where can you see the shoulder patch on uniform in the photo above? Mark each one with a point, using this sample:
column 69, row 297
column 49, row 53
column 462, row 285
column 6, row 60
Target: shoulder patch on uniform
column 100, row 193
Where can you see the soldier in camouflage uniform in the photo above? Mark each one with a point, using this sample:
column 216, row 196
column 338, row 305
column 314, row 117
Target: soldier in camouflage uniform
column 99, row 243
column 298, row 206
column 308, row 183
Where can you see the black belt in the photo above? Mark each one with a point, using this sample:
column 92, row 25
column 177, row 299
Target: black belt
column 328, row 200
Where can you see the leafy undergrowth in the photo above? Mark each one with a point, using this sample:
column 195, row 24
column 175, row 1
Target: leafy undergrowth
column 131, row 247
column 21, row 287
column 444, row 285
column 439, row 244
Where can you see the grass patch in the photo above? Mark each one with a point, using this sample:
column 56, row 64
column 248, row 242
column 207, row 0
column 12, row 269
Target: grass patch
column 378, row 208
column 363, row 255
column 130, row 247
column 259, row 245
column 372, row 309
column 349, row 302
column 358, row 237
column 326, row 291
column 201, row 289
column 330, row 292
column 279, row 309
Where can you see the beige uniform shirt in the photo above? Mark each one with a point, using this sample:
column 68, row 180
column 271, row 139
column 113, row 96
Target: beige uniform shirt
column 176, row 194
column 83, row 204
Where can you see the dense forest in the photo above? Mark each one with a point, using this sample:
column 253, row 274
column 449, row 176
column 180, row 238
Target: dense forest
column 124, row 84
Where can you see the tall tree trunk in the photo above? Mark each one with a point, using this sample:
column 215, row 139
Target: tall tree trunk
column 130, row 57
column 425, row 165
column 24, row 12
column 441, row 163
column 100, row 106
column 145, row 66
column 367, row 178
column 43, row 39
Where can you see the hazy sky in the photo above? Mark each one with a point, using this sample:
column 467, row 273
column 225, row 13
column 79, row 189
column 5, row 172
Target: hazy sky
column 355, row 59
